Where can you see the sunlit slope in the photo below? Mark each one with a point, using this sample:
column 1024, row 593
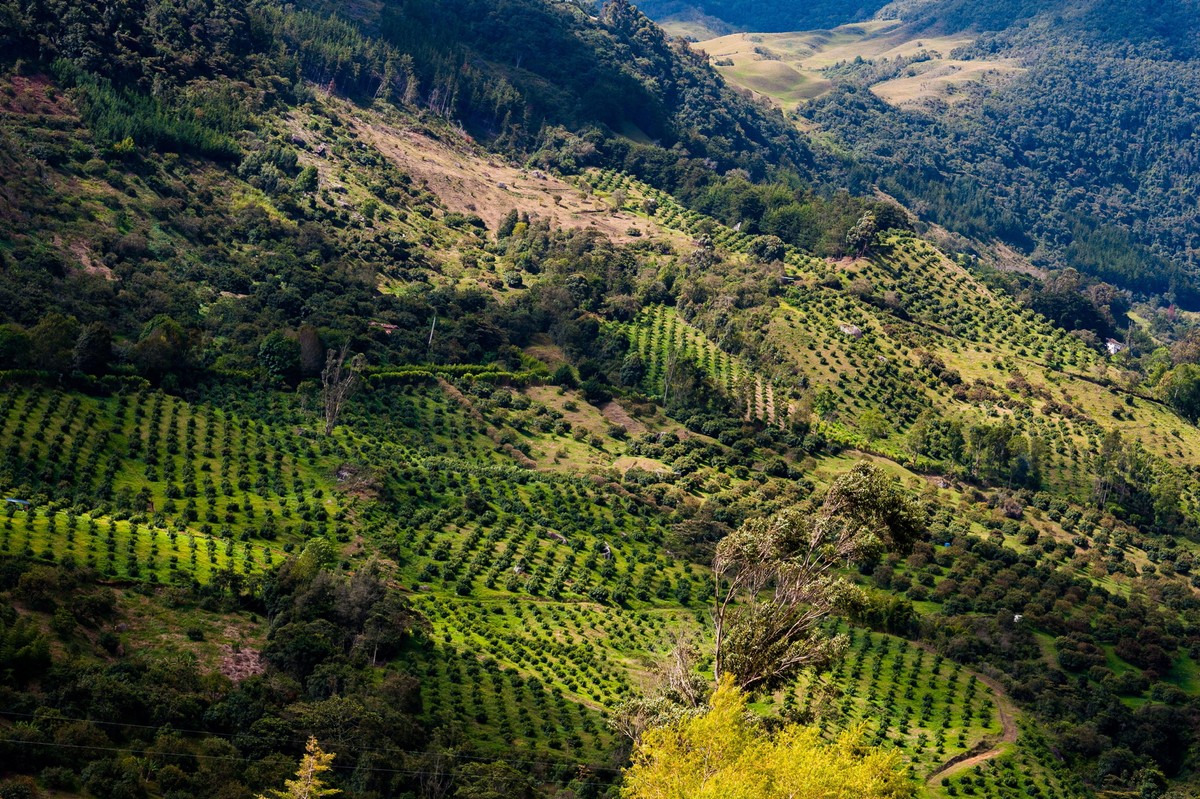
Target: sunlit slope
column 790, row 68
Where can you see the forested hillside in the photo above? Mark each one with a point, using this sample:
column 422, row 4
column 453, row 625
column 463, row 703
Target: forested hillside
column 485, row 400
column 765, row 15
column 1086, row 160
column 1084, row 156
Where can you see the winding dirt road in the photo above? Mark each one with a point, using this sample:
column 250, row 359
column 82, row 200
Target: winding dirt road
column 992, row 745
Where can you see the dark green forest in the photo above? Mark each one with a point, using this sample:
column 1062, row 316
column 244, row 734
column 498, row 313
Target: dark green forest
column 1087, row 160
column 769, row 15
column 396, row 374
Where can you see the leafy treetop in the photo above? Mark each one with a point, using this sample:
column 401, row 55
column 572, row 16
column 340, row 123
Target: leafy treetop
column 724, row 753
column 308, row 783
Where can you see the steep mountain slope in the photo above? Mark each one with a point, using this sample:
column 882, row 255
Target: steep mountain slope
column 589, row 357
column 1064, row 129
column 762, row 15
column 1091, row 161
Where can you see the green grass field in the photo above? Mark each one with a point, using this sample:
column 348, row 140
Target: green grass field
column 791, row 68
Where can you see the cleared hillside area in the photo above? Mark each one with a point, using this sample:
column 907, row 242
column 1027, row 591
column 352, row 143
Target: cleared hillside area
column 791, row 68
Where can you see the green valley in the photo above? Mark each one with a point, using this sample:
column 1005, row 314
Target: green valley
column 481, row 400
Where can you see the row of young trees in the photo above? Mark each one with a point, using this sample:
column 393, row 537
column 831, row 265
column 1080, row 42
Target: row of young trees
column 758, row 577
column 776, row 580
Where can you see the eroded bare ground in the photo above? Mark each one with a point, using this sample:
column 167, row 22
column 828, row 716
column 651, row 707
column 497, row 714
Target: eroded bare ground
column 614, row 412
column 34, row 95
column 468, row 181
column 239, row 663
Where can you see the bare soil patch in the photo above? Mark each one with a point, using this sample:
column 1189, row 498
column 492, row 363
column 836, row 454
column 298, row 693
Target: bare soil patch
column 614, row 412
column 34, row 95
column 467, row 181
column 238, row 663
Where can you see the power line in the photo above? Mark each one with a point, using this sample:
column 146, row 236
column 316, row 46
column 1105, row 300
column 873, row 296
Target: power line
column 362, row 750
column 228, row 758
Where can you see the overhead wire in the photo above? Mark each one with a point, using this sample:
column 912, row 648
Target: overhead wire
column 361, row 750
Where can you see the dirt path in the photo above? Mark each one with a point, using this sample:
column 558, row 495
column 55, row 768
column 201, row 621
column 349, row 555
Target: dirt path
column 992, row 745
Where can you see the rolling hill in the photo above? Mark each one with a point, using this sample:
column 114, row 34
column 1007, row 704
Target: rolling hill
column 1014, row 122
column 384, row 374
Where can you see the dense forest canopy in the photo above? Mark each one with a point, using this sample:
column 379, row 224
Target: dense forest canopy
column 1088, row 159
column 1084, row 158
column 1147, row 23
column 394, row 386
column 767, row 15
column 507, row 72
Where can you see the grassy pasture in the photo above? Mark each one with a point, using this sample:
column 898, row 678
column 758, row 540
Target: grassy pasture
column 789, row 68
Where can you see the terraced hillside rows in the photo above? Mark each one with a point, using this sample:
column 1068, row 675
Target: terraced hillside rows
column 891, row 359
column 128, row 549
column 985, row 358
column 550, row 595
column 918, row 701
column 664, row 342
column 560, row 582
column 173, row 490
column 543, row 675
column 352, row 393
column 884, row 344
column 918, row 341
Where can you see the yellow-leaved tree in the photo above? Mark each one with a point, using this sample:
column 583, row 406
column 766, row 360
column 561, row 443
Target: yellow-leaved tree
column 308, row 783
column 725, row 754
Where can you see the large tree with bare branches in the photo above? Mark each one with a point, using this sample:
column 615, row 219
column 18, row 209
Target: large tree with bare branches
column 338, row 381
column 777, row 578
